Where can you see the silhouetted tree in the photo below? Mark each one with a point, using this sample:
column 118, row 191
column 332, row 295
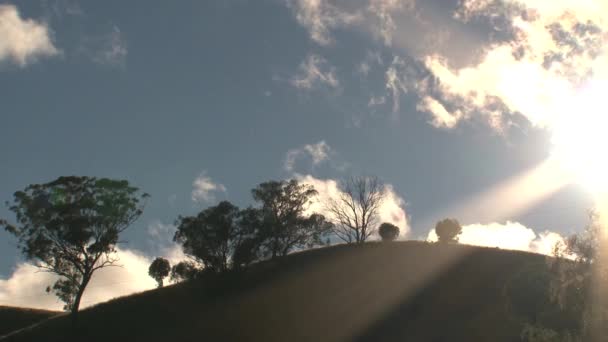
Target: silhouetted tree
column 213, row 236
column 388, row 231
column 248, row 251
column 577, row 275
column 184, row 270
column 283, row 226
column 580, row 273
column 448, row 230
column 355, row 211
column 159, row 269
column 71, row 226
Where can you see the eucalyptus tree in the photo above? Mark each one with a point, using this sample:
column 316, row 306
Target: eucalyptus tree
column 214, row 236
column 283, row 223
column 71, row 226
column 159, row 269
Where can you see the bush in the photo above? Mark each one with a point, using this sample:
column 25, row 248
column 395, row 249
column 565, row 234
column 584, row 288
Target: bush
column 388, row 231
column 447, row 230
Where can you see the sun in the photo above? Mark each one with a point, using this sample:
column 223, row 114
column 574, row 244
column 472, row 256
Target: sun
column 580, row 137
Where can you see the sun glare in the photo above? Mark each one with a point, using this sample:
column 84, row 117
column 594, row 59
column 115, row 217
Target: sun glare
column 580, row 138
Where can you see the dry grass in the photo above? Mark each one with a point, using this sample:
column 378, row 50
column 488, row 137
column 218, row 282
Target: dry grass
column 12, row 319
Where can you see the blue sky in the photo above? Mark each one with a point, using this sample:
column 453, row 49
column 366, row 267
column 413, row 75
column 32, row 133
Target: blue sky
column 198, row 101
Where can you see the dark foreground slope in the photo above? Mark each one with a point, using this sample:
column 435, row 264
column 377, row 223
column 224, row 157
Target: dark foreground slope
column 402, row 291
column 12, row 319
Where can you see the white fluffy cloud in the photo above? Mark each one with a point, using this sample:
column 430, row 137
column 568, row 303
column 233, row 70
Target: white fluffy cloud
column 23, row 41
column 204, row 189
column 318, row 153
column 510, row 235
column 537, row 56
column 441, row 117
column 556, row 46
column 313, row 71
column 391, row 210
column 26, row 285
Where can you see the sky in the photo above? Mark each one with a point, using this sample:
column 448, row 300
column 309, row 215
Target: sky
column 473, row 109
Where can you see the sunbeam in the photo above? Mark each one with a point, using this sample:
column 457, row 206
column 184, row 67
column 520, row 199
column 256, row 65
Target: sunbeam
column 512, row 196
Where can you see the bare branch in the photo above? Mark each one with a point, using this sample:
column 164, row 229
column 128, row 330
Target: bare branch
column 355, row 211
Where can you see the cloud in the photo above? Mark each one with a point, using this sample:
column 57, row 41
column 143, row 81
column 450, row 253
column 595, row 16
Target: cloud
column 204, row 188
column 26, row 285
column 383, row 11
column 161, row 231
column 23, row 41
column 371, row 58
column 364, row 68
column 319, row 17
column 554, row 48
column 376, row 101
column 111, row 49
column 396, row 81
column 313, row 71
column 318, row 153
column 391, row 210
column 531, row 61
column 107, row 47
column 61, row 8
column 510, row 235
column 161, row 242
column 441, row 117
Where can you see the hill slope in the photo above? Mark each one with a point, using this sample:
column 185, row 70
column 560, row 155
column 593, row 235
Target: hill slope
column 12, row 319
column 398, row 291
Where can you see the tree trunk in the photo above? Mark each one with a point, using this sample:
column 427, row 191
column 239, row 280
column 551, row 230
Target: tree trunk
column 81, row 288
column 275, row 247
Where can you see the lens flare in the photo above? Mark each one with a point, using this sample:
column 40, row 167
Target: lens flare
column 580, row 138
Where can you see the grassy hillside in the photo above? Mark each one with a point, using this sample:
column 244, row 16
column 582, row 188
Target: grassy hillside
column 402, row 291
column 12, row 319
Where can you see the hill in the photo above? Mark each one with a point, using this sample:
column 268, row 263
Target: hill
column 12, row 319
column 400, row 291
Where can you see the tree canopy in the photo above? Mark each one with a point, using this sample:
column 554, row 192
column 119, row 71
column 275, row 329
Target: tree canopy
column 184, row 270
column 448, row 230
column 580, row 272
column 71, row 226
column 283, row 223
column 213, row 236
column 388, row 231
column 159, row 269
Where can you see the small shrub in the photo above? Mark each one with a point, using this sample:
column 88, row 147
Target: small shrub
column 388, row 231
